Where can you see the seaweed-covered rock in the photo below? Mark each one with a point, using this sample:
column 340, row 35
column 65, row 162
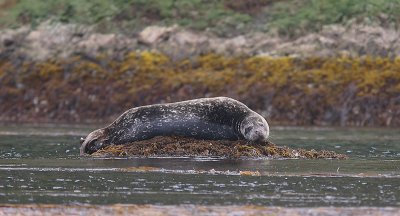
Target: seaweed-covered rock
column 311, row 91
column 182, row 146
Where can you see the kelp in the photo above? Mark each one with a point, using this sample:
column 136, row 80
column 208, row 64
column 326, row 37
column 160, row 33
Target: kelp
column 307, row 91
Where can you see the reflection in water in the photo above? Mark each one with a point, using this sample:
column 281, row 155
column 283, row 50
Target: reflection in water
column 41, row 165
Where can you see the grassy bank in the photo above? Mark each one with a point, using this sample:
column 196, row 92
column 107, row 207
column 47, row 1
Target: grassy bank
column 311, row 91
column 223, row 17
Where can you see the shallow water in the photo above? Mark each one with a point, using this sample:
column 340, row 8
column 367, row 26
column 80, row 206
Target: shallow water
column 41, row 164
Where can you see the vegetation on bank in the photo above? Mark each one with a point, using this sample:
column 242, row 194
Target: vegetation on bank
column 224, row 17
column 310, row 91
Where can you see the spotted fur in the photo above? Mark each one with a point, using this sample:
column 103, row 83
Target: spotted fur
column 219, row 118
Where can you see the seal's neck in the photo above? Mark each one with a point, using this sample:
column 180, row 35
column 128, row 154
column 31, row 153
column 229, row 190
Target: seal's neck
column 239, row 125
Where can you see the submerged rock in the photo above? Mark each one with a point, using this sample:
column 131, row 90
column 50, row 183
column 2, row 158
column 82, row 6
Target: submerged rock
column 182, row 146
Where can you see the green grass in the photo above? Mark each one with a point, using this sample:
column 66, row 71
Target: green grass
column 311, row 15
column 75, row 11
column 288, row 17
column 124, row 15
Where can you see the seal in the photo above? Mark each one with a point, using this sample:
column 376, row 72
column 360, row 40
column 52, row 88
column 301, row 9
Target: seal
column 219, row 118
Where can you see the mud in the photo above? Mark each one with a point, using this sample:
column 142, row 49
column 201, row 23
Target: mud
column 182, row 146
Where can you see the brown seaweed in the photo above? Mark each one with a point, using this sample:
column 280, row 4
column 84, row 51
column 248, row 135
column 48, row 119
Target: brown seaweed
column 183, row 146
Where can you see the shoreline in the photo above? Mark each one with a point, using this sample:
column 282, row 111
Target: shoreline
column 340, row 76
column 339, row 91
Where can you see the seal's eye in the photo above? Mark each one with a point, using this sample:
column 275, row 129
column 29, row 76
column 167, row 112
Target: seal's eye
column 92, row 142
column 82, row 140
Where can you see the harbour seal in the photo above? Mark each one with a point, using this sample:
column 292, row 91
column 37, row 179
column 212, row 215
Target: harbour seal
column 219, row 118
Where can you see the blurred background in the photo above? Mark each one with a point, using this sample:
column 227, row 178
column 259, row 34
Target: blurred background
column 296, row 62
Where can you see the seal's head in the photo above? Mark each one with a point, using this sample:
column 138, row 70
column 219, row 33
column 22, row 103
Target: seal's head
column 254, row 128
column 93, row 142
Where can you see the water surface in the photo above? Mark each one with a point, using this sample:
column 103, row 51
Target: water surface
column 41, row 164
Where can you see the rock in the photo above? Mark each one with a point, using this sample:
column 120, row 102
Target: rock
column 155, row 34
column 8, row 42
column 188, row 38
column 162, row 146
column 52, row 40
column 12, row 37
column 234, row 45
column 63, row 40
column 184, row 44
